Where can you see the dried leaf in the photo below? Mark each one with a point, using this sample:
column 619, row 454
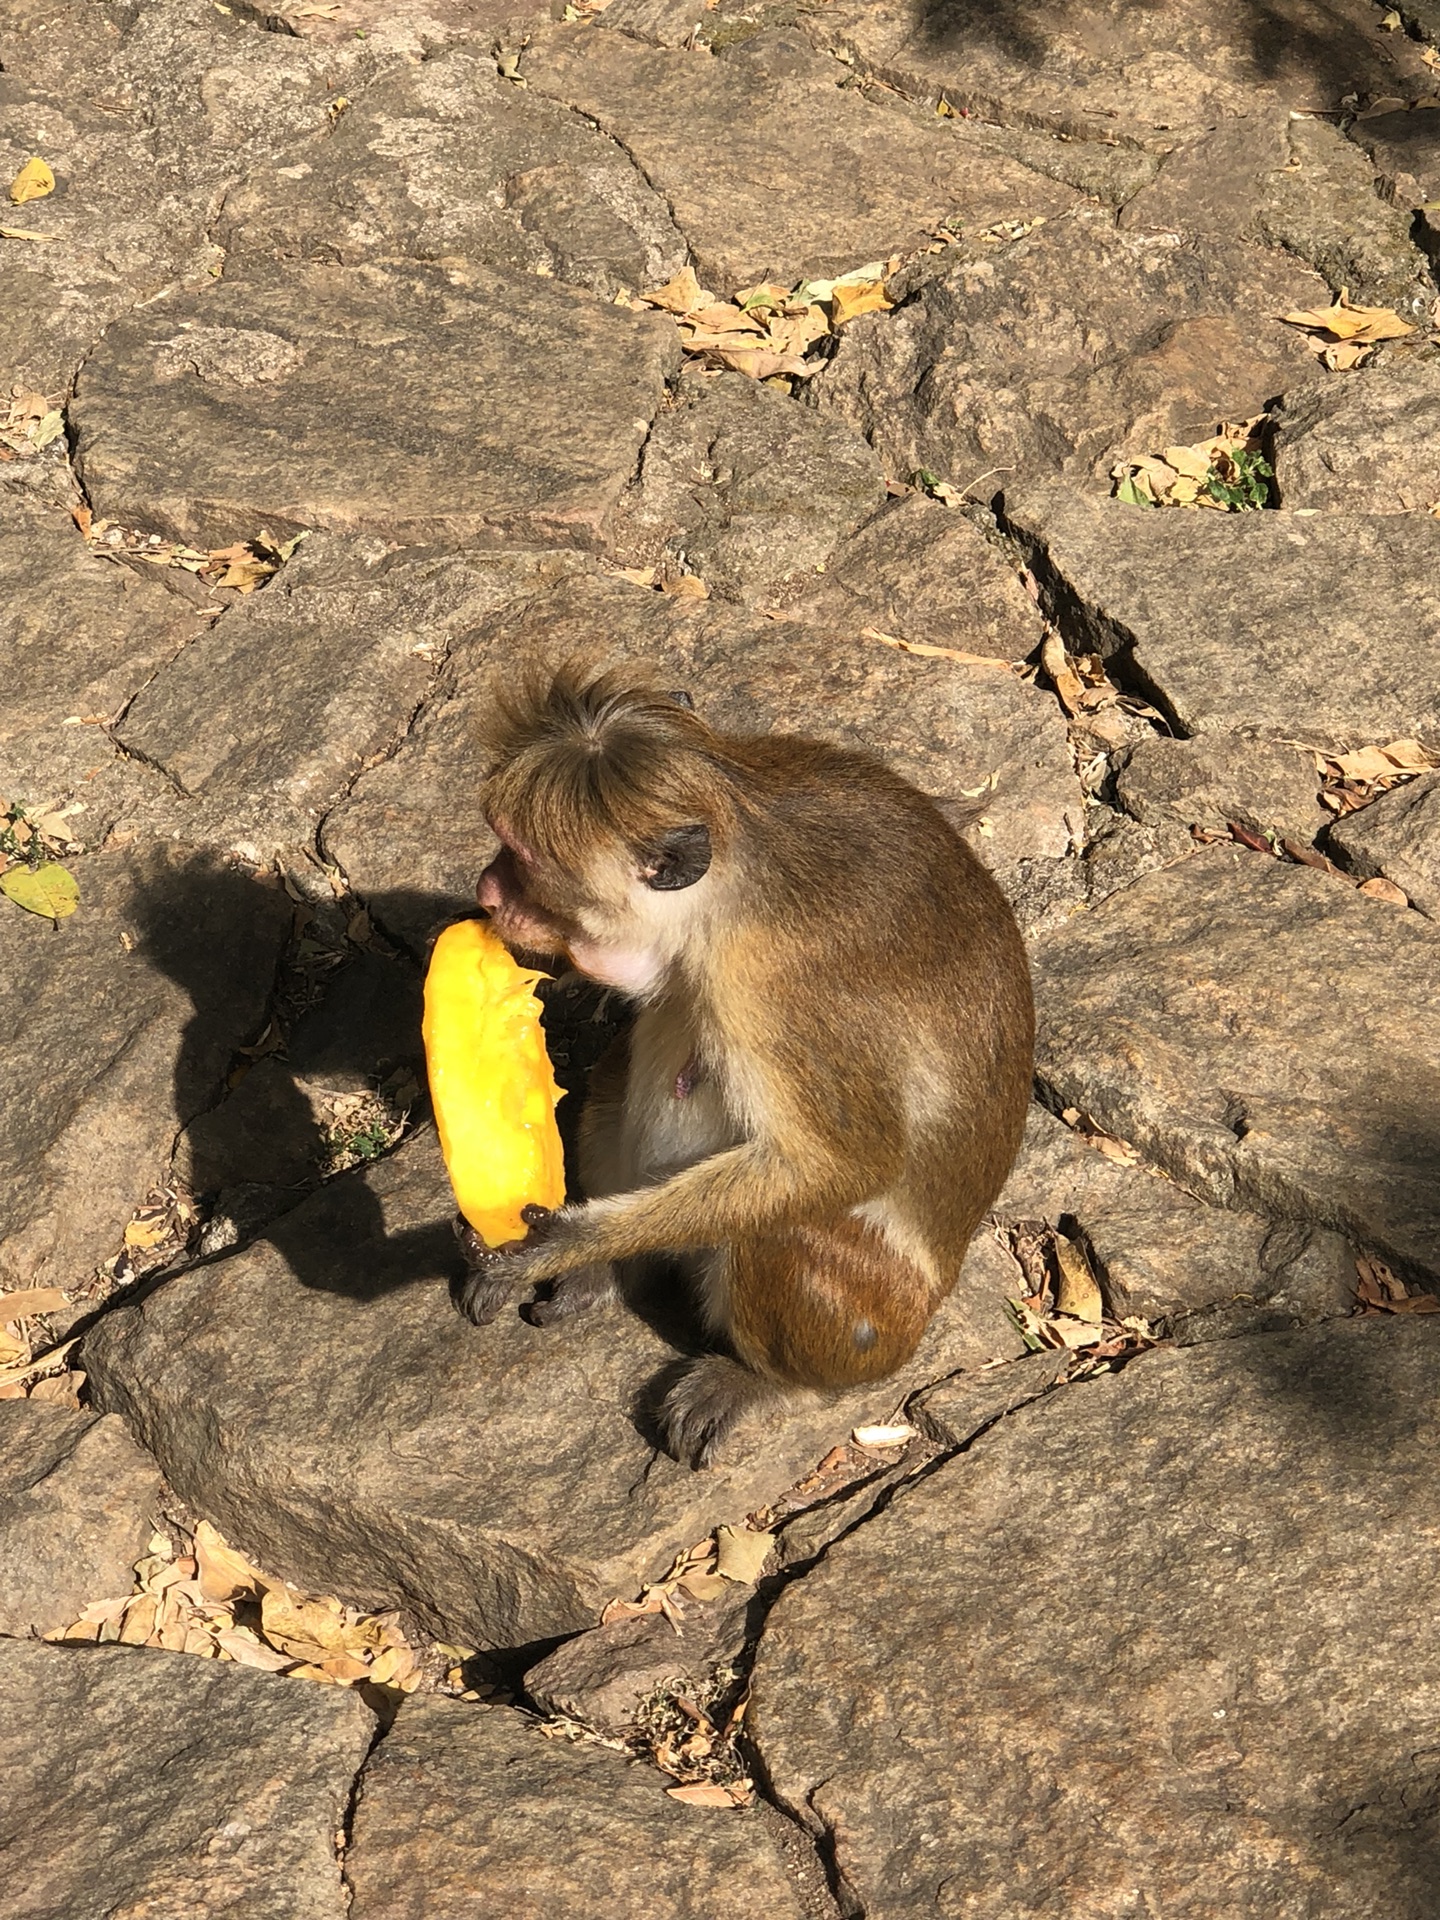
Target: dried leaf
column 1078, row 1292
column 685, row 586
column 1383, row 889
column 704, row 1793
column 33, row 182
column 223, row 1572
column 28, row 1300
column 309, row 1626
column 703, row 1586
column 1380, row 763
column 681, row 295
column 851, row 298
column 62, row 1389
column 49, row 890
column 924, row 651
column 1062, row 676
column 243, row 1648
column 1345, row 321
column 23, row 233
column 740, row 1553
column 1188, row 460
column 148, row 1229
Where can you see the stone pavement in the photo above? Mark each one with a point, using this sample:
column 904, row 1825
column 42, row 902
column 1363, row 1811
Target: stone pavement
column 328, row 389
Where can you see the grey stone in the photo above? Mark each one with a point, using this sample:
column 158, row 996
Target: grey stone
column 1396, row 837
column 1118, row 850
column 1405, row 148
column 1208, row 782
column 922, row 572
column 780, row 178
column 604, row 1677
column 1368, row 442
column 119, row 1026
column 445, row 158
column 1155, row 1650
column 78, row 1501
column 1264, row 1033
column 319, row 1397
column 1193, row 1270
column 81, row 634
column 1145, row 77
column 413, row 832
column 120, row 229
column 750, row 489
column 1319, row 630
column 465, row 1810
column 450, row 404
column 1066, row 348
column 141, row 1782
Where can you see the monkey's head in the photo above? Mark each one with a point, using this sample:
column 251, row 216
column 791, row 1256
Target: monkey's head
column 611, row 801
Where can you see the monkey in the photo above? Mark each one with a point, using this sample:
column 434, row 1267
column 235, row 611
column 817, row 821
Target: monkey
column 826, row 1080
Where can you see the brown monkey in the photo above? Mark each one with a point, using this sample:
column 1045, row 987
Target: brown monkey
column 826, row 1081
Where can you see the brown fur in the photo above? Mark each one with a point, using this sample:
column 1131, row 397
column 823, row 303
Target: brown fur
column 851, row 990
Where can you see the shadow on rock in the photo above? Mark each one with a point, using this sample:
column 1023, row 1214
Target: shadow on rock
column 348, row 1018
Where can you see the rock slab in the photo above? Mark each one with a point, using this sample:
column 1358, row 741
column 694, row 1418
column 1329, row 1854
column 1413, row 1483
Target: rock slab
column 77, row 1503
column 147, row 1783
column 1156, row 1650
column 425, row 404
column 319, row 1397
column 1322, row 630
column 1263, row 1032
column 466, row 1810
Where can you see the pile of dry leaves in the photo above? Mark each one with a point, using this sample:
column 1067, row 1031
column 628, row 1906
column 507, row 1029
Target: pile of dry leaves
column 196, row 1595
column 769, row 331
column 1228, row 472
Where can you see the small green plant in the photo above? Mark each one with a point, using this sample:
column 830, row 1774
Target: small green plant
column 1240, row 481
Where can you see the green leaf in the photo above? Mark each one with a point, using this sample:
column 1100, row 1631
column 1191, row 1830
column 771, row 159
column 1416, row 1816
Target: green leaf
column 50, row 890
column 1131, row 494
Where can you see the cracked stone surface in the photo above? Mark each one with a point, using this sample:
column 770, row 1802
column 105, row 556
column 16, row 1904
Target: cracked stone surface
column 412, row 833
column 781, row 176
column 292, row 396
column 149, row 1782
column 78, row 1500
column 1396, row 838
column 1331, row 660
column 118, row 1027
column 1066, row 348
column 1162, row 1626
column 751, row 492
column 923, row 573
column 1242, row 1021
column 1368, row 446
column 1194, row 1271
column 325, row 1404
column 460, row 1806
column 446, row 158
column 1145, row 1640
column 1147, row 76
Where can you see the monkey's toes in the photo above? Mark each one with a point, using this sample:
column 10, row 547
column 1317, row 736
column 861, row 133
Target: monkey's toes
column 573, row 1294
column 704, row 1405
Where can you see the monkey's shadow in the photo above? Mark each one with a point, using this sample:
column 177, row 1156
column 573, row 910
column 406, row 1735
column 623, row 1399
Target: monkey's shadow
column 255, row 1148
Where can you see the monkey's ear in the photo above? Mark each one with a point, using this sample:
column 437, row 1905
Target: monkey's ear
column 677, row 861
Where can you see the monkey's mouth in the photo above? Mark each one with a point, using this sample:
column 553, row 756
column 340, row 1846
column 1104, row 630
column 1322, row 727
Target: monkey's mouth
column 532, row 944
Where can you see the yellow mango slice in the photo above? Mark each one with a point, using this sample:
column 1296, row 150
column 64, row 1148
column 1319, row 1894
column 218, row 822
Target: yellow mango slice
column 491, row 1082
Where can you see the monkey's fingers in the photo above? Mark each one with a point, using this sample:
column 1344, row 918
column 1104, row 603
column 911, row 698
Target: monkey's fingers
column 574, row 1293
column 540, row 1221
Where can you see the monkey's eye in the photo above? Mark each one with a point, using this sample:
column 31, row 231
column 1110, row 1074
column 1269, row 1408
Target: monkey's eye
column 677, row 861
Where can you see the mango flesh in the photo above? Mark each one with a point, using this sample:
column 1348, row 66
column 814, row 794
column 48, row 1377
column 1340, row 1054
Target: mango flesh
column 491, row 1082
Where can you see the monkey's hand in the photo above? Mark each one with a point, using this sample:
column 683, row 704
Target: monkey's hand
column 494, row 1275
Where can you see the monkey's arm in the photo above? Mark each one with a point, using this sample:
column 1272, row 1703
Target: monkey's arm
column 744, row 1189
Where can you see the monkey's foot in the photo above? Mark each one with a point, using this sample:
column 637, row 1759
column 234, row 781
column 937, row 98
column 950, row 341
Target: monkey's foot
column 711, row 1397
column 574, row 1293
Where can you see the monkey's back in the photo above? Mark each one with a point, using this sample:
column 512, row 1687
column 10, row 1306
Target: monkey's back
column 918, row 971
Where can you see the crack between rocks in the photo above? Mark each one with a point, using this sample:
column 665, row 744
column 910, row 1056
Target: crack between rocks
column 352, row 1804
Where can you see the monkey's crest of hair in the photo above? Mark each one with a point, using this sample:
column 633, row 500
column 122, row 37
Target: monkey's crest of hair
column 583, row 751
